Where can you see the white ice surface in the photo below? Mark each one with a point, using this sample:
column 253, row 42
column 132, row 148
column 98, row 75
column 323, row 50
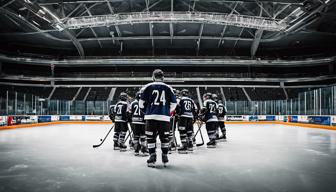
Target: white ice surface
column 254, row 158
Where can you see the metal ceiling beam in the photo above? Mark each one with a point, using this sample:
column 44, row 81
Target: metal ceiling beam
column 172, row 84
column 183, row 79
column 148, row 7
column 257, row 36
column 171, row 29
column 8, row 3
column 151, row 26
column 256, row 42
column 54, row 2
column 176, row 17
column 92, row 30
column 221, row 41
column 199, row 38
column 132, row 38
column 166, row 61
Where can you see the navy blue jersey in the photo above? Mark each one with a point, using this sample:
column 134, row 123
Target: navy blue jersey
column 221, row 112
column 158, row 101
column 211, row 108
column 186, row 107
column 120, row 111
column 137, row 115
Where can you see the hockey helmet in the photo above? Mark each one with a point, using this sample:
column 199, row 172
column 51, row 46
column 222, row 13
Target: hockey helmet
column 185, row 92
column 207, row 96
column 123, row 96
column 214, row 97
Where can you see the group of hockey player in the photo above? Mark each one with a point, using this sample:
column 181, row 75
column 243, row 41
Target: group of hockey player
column 157, row 110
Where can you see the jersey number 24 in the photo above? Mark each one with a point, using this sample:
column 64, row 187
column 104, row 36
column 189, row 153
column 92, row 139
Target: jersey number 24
column 159, row 98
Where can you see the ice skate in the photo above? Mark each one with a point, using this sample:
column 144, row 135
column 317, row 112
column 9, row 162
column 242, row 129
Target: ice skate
column 136, row 150
column 151, row 161
column 211, row 144
column 144, row 151
column 116, row 146
column 123, row 147
column 190, row 146
column 165, row 160
column 183, row 149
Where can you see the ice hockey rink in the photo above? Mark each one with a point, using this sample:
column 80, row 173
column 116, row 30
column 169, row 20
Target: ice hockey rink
column 255, row 157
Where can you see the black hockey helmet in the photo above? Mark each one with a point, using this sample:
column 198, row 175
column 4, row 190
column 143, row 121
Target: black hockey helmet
column 207, row 96
column 214, row 97
column 185, row 92
column 123, row 96
column 138, row 95
column 158, row 75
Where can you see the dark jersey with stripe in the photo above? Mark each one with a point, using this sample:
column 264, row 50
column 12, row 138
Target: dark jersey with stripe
column 186, row 107
column 158, row 101
column 221, row 112
column 120, row 111
column 137, row 115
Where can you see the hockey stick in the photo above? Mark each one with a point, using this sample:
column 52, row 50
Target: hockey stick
column 174, row 129
column 102, row 140
column 200, row 131
column 129, row 134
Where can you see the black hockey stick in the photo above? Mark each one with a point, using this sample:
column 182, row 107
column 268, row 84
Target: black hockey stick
column 102, row 140
column 129, row 134
column 200, row 131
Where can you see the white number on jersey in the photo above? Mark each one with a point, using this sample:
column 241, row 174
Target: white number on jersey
column 119, row 112
column 159, row 98
column 220, row 110
column 137, row 110
column 212, row 108
column 187, row 105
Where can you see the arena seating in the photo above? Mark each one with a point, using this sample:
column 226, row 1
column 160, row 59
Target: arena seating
column 257, row 94
column 234, row 94
column 64, row 93
column 82, row 93
column 99, row 94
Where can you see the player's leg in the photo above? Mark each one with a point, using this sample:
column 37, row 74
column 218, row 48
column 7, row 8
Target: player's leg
column 151, row 134
column 116, row 136
column 143, row 143
column 190, row 133
column 183, row 134
column 223, row 129
column 163, row 130
column 211, row 130
column 123, row 131
column 136, row 138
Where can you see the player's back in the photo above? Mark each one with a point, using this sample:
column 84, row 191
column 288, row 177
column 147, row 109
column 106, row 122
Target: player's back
column 158, row 98
column 187, row 107
column 211, row 110
column 120, row 111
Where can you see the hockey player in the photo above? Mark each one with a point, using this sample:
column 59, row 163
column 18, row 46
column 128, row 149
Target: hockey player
column 221, row 116
column 186, row 109
column 138, row 127
column 120, row 116
column 159, row 102
column 209, row 115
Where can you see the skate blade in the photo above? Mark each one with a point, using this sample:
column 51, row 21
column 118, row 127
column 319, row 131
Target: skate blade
column 136, row 154
column 144, row 154
column 152, row 165
column 165, row 164
column 183, row 152
column 211, row 146
column 116, row 148
column 123, row 150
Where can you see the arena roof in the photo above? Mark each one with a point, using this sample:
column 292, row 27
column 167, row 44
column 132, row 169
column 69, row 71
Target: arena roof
column 263, row 28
